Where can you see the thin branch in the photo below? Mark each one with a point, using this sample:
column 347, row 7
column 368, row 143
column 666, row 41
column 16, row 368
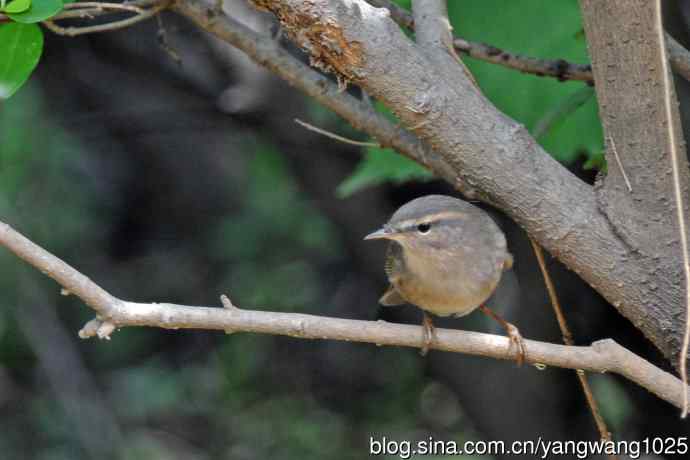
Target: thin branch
column 678, row 194
column 141, row 15
column 604, row 432
column 556, row 68
column 560, row 69
column 93, row 9
column 112, row 313
column 345, row 140
column 105, row 6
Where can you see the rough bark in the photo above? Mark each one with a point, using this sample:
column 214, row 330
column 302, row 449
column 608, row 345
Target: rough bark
column 490, row 152
column 637, row 193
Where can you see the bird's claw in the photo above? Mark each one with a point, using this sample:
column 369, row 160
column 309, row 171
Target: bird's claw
column 428, row 335
column 519, row 343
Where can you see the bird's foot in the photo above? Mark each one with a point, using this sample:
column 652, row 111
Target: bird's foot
column 428, row 334
column 517, row 341
column 513, row 334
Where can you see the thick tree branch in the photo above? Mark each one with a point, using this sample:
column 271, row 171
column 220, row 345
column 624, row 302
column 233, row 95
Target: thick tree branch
column 112, row 313
column 637, row 194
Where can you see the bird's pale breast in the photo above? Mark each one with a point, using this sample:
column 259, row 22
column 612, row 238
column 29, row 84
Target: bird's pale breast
column 446, row 287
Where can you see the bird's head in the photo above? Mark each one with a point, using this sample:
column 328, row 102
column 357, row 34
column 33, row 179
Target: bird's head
column 433, row 223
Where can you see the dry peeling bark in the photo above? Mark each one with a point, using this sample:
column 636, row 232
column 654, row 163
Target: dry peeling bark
column 322, row 39
column 494, row 155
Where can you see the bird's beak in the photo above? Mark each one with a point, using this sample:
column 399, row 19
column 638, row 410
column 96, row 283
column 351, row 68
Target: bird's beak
column 380, row 233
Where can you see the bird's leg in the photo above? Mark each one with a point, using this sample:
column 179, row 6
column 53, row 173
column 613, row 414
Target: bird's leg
column 511, row 330
column 428, row 333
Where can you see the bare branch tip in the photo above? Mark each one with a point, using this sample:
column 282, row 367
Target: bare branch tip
column 90, row 329
column 227, row 303
column 342, row 139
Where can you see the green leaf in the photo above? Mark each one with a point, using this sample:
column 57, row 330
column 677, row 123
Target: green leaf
column 380, row 165
column 40, row 11
column 20, row 48
column 529, row 98
column 403, row 3
column 17, row 6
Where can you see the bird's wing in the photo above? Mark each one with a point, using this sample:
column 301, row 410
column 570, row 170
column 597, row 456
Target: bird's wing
column 394, row 267
column 391, row 297
column 394, row 261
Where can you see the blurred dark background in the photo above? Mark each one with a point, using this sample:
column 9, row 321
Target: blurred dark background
column 180, row 180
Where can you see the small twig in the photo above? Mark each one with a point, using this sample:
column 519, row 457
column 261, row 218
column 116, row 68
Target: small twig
column 604, row 432
column 90, row 10
column 335, row 136
column 227, row 303
column 83, row 13
column 107, row 27
column 93, row 9
column 105, row 6
column 560, row 69
column 620, row 164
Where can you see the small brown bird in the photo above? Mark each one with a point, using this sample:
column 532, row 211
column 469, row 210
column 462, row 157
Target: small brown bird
column 445, row 256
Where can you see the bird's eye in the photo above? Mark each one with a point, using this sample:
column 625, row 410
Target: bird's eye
column 424, row 228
